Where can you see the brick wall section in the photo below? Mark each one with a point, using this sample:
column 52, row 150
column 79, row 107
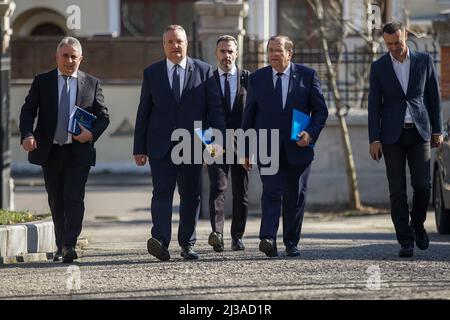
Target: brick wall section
column 445, row 72
column 122, row 58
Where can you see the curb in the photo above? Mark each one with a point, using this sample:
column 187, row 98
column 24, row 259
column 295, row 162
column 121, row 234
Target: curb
column 28, row 242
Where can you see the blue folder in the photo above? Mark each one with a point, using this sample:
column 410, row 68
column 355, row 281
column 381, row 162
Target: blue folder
column 300, row 121
column 80, row 116
column 204, row 135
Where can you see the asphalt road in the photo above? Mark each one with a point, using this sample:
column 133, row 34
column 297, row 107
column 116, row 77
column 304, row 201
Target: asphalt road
column 341, row 258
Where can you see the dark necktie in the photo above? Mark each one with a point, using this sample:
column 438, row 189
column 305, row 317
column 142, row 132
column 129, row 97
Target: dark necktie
column 227, row 90
column 63, row 113
column 279, row 91
column 176, row 83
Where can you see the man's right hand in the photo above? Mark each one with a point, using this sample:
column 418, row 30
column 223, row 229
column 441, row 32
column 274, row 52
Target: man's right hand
column 376, row 150
column 140, row 159
column 246, row 164
column 29, row 144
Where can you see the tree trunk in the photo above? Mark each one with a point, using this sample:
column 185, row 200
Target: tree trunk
column 353, row 190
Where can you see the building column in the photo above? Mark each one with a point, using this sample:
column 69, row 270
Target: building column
column 6, row 10
column 442, row 27
column 262, row 19
column 216, row 18
column 114, row 17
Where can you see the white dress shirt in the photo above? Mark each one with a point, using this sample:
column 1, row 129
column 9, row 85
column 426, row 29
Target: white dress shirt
column 284, row 81
column 182, row 70
column 232, row 79
column 402, row 70
column 73, row 85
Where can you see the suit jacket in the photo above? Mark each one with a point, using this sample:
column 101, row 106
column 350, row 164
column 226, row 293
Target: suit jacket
column 388, row 102
column 42, row 101
column 263, row 112
column 159, row 114
column 233, row 117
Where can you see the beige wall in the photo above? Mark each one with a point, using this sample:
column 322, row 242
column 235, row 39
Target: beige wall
column 94, row 15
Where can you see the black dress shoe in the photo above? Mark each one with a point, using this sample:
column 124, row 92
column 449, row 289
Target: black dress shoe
column 57, row 256
column 216, row 241
column 406, row 251
column 292, row 251
column 237, row 245
column 422, row 240
column 269, row 247
column 157, row 249
column 69, row 254
column 189, row 253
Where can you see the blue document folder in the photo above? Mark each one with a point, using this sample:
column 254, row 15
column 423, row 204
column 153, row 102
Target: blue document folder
column 300, row 121
column 207, row 139
column 204, row 135
column 80, row 116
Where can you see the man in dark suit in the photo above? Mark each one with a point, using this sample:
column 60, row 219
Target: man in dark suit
column 404, row 115
column 232, row 82
column 274, row 92
column 175, row 92
column 65, row 158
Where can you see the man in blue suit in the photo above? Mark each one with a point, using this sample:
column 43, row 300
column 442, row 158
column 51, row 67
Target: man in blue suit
column 175, row 92
column 404, row 115
column 274, row 92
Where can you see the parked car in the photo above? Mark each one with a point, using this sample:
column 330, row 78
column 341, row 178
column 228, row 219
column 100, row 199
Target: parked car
column 441, row 183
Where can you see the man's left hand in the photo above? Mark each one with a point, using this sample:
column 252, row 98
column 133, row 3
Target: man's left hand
column 84, row 136
column 437, row 140
column 305, row 139
column 215, row 150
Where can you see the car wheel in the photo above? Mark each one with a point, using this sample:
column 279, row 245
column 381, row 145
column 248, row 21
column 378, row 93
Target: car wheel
column 442, row 215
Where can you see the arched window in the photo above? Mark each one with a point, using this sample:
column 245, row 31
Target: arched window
column 47, row 29
column 40, row 22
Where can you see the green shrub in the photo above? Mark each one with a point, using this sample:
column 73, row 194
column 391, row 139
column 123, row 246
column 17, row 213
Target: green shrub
column 14, row 217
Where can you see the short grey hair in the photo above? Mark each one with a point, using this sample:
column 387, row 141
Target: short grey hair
column 71, row 42
column 174, row 27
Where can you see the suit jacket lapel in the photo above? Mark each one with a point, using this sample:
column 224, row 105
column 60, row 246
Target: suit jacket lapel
column 219, row 86
column 293, row 83
column 80, row 86
column 239, row 87
column 165, row 84
column 187, row 77
column 393, row 75
column 54, row 85
column 412, row 58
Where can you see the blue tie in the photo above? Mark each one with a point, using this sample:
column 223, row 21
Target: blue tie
column 63, row 113
column 176, row 83
column 227, row 90
column 279, row 91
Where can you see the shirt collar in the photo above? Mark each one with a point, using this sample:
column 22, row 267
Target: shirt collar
column 407, row 56
column 73, row 75
column 286, row 71
column 182, row 64
column 232, row 71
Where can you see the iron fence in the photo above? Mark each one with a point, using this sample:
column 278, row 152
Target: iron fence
column 352, row 65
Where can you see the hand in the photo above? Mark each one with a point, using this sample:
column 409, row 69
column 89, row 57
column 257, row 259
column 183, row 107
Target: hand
column 215, row 150
column 246, row 164
column 437, row 140
column 376, row 150
column 84, row 136
column 305, row 139
column 140, row 159
column 29, row 144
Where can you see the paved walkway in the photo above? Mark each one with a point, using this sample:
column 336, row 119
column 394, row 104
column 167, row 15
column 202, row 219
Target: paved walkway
column 341, row 258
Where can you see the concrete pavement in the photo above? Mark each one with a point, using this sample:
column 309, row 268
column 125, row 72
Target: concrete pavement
column 341, row 258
